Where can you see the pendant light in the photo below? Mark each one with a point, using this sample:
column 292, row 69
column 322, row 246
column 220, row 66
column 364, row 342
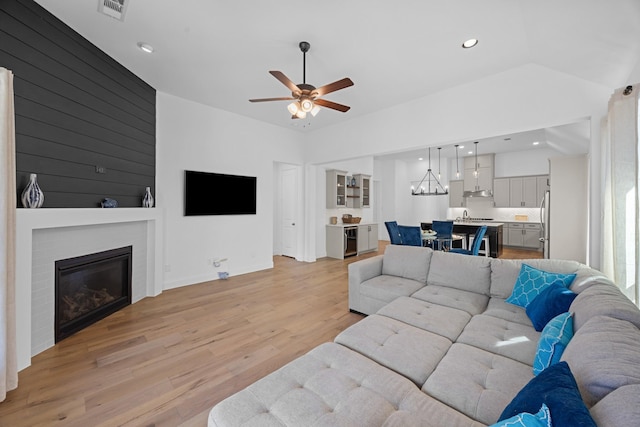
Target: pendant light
column 438, row 190
column 475, row 172
column 457, row 167
column 439, row 176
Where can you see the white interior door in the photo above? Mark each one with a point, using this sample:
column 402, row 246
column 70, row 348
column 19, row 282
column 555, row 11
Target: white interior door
column 289, row 188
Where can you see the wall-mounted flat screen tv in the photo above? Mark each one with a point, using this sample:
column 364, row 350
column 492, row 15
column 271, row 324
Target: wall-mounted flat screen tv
column 207, row 193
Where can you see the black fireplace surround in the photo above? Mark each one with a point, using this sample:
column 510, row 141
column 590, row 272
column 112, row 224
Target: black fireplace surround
column 89, row 288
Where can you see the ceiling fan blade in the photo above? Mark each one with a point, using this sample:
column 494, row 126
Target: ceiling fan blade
column 332, row 87
column 285, row 80
column 271, row 99
column 332, row 105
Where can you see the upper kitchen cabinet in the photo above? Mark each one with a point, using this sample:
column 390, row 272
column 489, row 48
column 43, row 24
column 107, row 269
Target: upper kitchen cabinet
column 336, row 189
column 364, row 184
column 501, row 187
column 485, row 168
column 519, row 191
column 523, row 192
column 456, row 188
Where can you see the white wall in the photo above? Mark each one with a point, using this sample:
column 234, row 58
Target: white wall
column 197, row 137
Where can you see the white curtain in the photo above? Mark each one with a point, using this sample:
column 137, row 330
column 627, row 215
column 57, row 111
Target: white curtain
column 621, row 251
column 8, row 358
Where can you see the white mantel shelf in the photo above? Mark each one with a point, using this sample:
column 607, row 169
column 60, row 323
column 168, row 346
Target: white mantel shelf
column 64, row 217
column 28, row 220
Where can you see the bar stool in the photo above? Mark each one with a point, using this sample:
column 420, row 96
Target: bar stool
column 486, row 250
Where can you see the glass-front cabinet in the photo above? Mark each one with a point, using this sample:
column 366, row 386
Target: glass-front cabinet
column 364, row 182
column 336, row 189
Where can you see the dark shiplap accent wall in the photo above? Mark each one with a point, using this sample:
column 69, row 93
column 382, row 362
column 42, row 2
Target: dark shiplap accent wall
column 76, row 108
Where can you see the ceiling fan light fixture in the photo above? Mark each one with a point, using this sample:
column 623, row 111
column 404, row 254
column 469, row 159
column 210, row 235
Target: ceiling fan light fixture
column 301, row 114
column 293, row 108
column 306, row 104
column 315, row 110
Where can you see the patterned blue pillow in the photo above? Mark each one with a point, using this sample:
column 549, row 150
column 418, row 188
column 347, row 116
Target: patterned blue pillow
column 531, row 282
column 553, row 340
column 541, row 419
column 555, row 387
column 554, row 300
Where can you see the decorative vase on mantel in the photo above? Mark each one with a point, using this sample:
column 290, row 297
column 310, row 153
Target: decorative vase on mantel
column 147, row 200
column 32, row 195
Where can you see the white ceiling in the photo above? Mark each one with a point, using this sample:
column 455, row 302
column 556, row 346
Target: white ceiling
column 219, row 53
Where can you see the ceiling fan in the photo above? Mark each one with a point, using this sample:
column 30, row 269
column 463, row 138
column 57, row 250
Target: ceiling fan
column 307, row 98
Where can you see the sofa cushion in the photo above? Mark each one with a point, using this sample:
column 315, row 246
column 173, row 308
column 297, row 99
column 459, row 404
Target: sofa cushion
column 503, row 337
column 603, row 300
column 504, row 272
column 387, row 288
column 554, row 339
column 498, row 307
column 407, row 261
column 604, row 354
column 446, row 321
column 556, row 388
column 532, row 281
column 410, row 351
column 330, row 386
column 554, row 300
column 476, row 382
column 621, row 407
column 460, row 272
column 470, row 302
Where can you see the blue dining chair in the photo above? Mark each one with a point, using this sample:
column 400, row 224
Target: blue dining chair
column 477, row 241
column 411, row 235
column 394, row 233
column 444, row 230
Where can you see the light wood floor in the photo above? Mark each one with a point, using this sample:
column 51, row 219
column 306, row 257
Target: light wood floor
column 165, row 361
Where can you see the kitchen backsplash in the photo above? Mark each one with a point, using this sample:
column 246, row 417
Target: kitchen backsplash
column 497, row 214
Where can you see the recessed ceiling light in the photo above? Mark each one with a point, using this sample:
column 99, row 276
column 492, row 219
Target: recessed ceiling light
column 461, row 147
column 145, row 47
column 470, row 152
column 470, row 43
column 420, row 158
column 536, row 142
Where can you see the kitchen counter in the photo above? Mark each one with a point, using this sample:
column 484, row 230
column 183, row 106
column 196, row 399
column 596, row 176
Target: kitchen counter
column 340, row 224
column 494, row 233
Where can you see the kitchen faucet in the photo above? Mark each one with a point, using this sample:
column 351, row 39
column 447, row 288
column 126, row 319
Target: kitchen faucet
column 465, row 215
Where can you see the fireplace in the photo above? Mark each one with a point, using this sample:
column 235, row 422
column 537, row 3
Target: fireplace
column 89, row 288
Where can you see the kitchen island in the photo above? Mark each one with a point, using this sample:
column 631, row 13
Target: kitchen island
column 469, row 228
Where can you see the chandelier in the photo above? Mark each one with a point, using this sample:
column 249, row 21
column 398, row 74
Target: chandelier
column 430, row 184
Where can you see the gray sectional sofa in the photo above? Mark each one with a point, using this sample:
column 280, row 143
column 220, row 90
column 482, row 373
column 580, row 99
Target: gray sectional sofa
column 440, row 346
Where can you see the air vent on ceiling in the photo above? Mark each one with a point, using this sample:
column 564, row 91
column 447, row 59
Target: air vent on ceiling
column 113, row 8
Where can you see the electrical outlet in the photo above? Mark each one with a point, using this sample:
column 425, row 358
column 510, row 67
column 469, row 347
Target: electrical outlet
column 101, row 169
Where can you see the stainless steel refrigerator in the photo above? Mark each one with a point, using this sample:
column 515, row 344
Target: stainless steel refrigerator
column 564, row 210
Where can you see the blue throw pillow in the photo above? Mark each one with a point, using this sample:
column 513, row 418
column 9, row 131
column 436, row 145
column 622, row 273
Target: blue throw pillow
column 531, row 282
column 554, row 300
column 541, row 419
column 553, row 340
column 555, row 387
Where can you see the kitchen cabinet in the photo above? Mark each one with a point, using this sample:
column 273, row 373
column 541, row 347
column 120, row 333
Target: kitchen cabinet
column 501, row 188
column 485, row 173
column 519, row 192
column 344, row 240
column 364, row 190
column 524, row 235
column 523, row 192
column 367, row 238
column 336, row 189
column 456, row 188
